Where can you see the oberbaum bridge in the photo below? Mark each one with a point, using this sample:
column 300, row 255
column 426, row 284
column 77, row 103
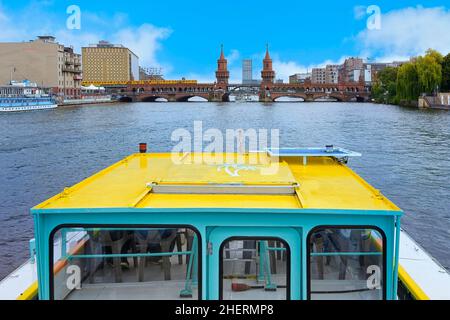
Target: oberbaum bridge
column 221, row 90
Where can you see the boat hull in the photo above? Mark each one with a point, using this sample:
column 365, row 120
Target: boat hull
column 28, row 108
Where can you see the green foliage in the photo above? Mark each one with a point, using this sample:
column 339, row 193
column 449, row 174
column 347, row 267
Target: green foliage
column 436, row 55
column 385, row 87
column 446, row 74
column 429, row 71
column 408, row 82
column 422, row 75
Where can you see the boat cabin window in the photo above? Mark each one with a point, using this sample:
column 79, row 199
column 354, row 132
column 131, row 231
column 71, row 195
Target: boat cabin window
column 91, row 263
column 254, row 269
column 346, row 264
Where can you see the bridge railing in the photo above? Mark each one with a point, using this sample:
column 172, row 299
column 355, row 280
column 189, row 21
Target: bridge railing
column 170, row 91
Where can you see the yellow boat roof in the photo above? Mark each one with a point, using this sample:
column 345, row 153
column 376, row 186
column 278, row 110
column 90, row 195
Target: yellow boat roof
column 156, row 181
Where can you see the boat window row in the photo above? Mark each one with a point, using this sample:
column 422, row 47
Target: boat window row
column 164, row 263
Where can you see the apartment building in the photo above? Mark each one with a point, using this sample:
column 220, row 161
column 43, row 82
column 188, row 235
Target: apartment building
column 332, row 74
column 352, row 70
column 318, row 75
column 44, row 62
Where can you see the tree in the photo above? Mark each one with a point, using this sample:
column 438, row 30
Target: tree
column 408, row 82
column 436, row 55
column 385, row 87
column 445, row 86
column 429, row 72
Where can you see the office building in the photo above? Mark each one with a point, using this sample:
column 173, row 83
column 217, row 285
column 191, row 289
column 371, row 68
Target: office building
column 105, row 62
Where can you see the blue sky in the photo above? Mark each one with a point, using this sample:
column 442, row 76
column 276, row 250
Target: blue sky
column 184, row 37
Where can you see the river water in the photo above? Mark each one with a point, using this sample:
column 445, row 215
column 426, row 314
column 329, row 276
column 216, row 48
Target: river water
column 406, row 154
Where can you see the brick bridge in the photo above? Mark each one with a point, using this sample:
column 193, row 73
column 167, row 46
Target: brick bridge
column 220, row 91
column 210, row 92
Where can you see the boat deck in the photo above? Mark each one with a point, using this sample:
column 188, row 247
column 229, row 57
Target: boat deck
column 284, row 183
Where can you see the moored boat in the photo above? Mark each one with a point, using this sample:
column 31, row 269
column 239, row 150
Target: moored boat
column 26, row 104
column 25, row 96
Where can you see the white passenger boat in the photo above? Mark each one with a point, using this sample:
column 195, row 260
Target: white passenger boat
column 26, row 104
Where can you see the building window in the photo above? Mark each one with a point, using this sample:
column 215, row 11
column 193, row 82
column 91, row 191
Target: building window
column 123, row 263
column 346, row 264
column 254, row 269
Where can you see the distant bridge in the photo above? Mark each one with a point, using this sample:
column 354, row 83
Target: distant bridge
column 268, row 93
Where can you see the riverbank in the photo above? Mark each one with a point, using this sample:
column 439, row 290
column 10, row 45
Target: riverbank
column 81, row 102
column 431, row 102
column 420, row 104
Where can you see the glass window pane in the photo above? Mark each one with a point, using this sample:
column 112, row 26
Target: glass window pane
column 346, row 264
column 125, row 264
column 254, row 270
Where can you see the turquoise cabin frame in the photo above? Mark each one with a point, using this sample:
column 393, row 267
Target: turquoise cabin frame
column 217, row 225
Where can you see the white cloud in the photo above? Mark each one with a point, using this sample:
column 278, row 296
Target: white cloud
column 407, row 32
column 233, row 57
column 145, row 41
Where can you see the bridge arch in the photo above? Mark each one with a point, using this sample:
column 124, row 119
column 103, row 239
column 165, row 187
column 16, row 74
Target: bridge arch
column 329, row 96
column 289, row 98
column 192, row 98
column 125, row 99
column 155, row 98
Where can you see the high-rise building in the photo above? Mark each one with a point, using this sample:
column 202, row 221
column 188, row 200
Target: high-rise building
column 105, row 62
column 247, row 71
column 42, row 61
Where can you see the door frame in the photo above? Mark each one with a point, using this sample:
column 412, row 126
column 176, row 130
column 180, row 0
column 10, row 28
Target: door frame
column 218, row 236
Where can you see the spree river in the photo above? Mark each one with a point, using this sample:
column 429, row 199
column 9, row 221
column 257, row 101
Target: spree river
column 406, row 154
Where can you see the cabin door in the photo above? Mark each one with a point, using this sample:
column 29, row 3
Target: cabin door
column 254, row 264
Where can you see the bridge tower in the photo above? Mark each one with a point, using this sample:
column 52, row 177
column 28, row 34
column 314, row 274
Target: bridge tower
column 222, row 73
column 268, row 78
column 268, row 75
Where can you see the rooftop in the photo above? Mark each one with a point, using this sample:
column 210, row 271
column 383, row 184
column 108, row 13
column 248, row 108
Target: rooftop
column 155, row 181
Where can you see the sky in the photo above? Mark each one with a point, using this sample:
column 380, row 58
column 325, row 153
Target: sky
column 184, row 37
